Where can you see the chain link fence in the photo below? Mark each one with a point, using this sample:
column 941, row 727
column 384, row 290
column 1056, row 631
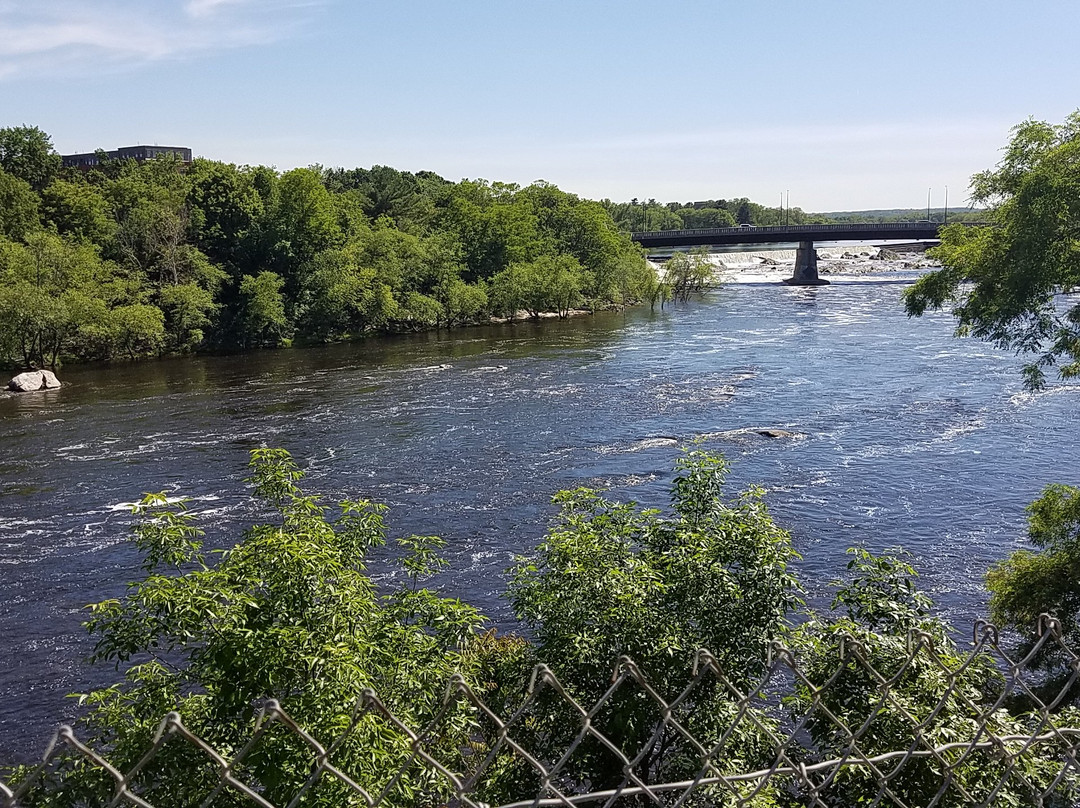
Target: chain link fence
column 861, row 725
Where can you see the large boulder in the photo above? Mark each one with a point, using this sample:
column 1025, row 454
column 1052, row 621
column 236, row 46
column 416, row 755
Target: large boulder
column 34, row 380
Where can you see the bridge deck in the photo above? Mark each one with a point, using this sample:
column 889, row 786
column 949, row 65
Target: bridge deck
column 787, row 233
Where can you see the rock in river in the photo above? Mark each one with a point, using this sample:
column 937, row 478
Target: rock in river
column 34, row 380
column 777, row 433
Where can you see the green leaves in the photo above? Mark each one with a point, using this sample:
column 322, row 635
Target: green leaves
column 612, row 579
column 27, row 152
column 263, row 321
column 287, row 613
column 274, row 475
column 882, row 594
column 422, row 559
column 1027, row 585
column 888, row 672
column 166, row 536
column 698, row 484
column 1054, row 518
column 18, row 207
column 687, row 274
column 245, row 257
column 1006, row 282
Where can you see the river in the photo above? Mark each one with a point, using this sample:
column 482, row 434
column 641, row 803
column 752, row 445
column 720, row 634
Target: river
column 905, row 436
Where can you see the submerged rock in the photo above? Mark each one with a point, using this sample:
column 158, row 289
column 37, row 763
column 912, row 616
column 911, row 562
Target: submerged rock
column 777, row 433
column 750, row 433
column 34, row 380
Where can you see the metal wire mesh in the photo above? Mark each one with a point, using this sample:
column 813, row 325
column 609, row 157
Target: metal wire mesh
column 874, row 727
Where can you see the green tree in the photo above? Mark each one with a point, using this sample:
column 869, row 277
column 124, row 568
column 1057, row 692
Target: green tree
column 305, row 215
column 18, row 207
column 53, row 294
column 262, row 310
column 1028, row 585
column 189, row 310
column 416, row 312
column 78, row 210
column 462, row 302
column 686, row 274
column 302, row 223
column 396, row 194
column 27, row 153
column 550, row 283
column 507, row 291
column 1007, row 282
column 534, row 284
column 612, row 579
column 288, row 613
column 494, row 225
column 385, row 191
column 654, row 290
column 565, row 282
column 344, row 297
column 139, row 330
column 627, row 216
column 638, row 279
column 153, row 240
column 705, row 217
column 880, row 665
column 224, row 208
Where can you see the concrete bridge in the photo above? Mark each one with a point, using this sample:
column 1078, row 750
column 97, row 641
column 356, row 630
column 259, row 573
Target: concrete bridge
column 804, row 235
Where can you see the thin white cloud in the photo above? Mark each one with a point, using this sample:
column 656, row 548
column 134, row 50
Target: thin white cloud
column 64, row 37
column 206, row 8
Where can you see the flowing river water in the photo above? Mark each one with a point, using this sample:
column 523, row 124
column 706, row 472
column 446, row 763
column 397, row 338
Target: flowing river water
column 903, row 435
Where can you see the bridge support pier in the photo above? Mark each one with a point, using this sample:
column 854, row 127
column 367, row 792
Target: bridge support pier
column 805, row 267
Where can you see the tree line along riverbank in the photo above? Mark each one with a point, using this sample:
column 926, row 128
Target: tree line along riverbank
column 134, row 259
column 131, row 259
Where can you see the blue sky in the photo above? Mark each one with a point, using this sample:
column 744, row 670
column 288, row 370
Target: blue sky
column 843, row 104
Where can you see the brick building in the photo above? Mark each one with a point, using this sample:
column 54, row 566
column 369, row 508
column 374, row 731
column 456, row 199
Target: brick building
column 139, row 153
